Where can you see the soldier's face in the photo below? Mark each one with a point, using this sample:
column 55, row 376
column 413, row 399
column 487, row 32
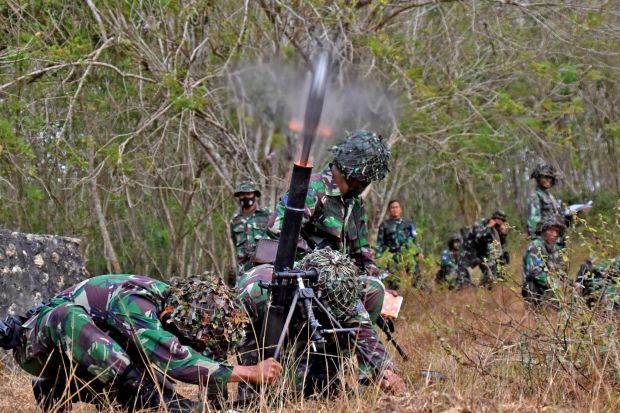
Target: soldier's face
column 247, row 200
column 551, row 235
column 456, row 245
column 355, row 187
column 546, row 181
column 395, row 210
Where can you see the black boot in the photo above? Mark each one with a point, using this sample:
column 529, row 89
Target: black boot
column 48, row 392
column 135, row 390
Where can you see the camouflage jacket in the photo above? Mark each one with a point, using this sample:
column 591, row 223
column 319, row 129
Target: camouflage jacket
column 490, row 242
column 453, row 268
column 129, row 305
column 331, row 221
column 602, row 283
column 256, row 299
column 540, row 205
column 246, row 230
column 395, row 234
column 543, row 263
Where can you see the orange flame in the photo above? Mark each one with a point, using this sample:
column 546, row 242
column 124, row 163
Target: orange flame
column 295, row 125
column 324, row 132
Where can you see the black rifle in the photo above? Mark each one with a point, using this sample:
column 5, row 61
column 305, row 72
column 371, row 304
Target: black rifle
column 387, row 326
column 284, row 289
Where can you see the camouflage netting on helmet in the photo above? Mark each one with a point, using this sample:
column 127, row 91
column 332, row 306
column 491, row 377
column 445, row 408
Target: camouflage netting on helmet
column 338, row 286
column 545, row 169
column 207, row 313
column 364, row 156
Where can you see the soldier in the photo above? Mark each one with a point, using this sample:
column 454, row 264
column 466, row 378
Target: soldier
column 490, row 240
column 453, row 271
column 334, row 215
column 338, row 290
column 542, row 204
column 543, row 267
column 397, row 235
column 247, row 226
column 600, row 284
column 101, row 338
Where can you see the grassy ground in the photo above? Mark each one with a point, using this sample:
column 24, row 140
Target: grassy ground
column 495, row 354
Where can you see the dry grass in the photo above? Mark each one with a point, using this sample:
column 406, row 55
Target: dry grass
column 496, row 355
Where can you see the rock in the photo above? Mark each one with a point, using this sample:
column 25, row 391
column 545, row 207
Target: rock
column 46, row 265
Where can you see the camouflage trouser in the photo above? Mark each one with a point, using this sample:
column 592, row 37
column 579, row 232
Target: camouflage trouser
column 538, row 294
column 67, row 327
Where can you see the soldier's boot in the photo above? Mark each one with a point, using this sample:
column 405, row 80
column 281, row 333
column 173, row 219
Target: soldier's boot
column 48, row 392
column 136, row 391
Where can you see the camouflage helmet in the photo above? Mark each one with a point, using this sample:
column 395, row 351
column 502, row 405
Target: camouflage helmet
column 499, row 214
column 550, row 222
column 364, row 156
column 454, row 238
column 206, row 313
column 246, row 186
column 338, row 286
column 545, row 169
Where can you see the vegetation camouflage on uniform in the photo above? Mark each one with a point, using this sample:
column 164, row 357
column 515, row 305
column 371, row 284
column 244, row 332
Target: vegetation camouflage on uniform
column 256, row 300
column 364, row 156
column 601, row 284
column 246, row 230
column 207, row 313
column 332, row 221
column 543, row 269
column 453, row 271
column 76, row 320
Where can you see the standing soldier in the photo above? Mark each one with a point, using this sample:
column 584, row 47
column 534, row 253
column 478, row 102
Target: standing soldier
column 490, row 241
column 542, row 204
column 543, row 266
column 247, row 226
column 453, row 270
column 334, row 214
column 398, row 235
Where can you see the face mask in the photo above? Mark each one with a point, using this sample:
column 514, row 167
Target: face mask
column 247, row 203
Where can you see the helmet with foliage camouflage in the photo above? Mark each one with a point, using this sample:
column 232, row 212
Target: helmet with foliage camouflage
column 545, row 169
column 206, row 313
column 247, row 186
column 338, row 286
column 550, row 222
column 454, row 238
column 364, row 156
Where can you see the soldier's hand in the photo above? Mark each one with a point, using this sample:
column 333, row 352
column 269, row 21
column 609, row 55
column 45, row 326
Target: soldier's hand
column 391, row 292
column 268, row 371
column 392, row 383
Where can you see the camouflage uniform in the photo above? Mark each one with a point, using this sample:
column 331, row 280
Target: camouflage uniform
column 453, row 271
column 367, row 342
column 543, row 272
column 77, row 326
column 492, row 255
column 601, row 284
column 542, row 204
column 247, row 229
column 340, row 222
column 396, row 236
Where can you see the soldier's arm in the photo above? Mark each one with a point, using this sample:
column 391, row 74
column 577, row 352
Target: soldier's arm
column 181, row 362
column 534, row 214
column 361, row 253
column 533, row 263
column 380, row 247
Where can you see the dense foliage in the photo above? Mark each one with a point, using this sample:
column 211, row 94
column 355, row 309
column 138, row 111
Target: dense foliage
column 128, row 123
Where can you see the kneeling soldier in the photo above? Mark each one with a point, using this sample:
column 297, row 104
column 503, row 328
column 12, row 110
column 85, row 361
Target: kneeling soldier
column 101, row 338
column 339, row 290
